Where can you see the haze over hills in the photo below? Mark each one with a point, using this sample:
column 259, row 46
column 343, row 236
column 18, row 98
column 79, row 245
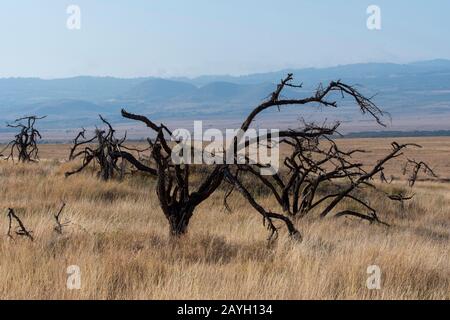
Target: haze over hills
column 417, row 95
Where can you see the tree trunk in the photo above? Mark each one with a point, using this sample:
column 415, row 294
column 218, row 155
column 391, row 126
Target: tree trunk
column 107, row 171
column 23, row 156
column 106, row 167
column 179, row 220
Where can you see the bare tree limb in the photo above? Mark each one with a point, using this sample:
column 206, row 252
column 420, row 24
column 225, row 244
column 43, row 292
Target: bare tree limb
column 20, row 229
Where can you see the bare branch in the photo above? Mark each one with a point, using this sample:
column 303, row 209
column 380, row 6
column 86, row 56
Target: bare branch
column 59, row 225
column 20, row 229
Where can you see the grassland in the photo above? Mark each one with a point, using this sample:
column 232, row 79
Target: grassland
column 119, row 239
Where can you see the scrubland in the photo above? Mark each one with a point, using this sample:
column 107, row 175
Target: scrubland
column 119, row 238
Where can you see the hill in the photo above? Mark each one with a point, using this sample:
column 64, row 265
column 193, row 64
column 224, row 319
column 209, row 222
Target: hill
column 417, row 95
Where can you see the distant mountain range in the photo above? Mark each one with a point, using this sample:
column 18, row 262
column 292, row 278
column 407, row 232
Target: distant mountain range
column 417, row 95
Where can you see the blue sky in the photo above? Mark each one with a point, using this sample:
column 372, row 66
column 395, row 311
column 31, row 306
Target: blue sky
column 192, row 37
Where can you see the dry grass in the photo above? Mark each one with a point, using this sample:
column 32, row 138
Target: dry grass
column 119, row 238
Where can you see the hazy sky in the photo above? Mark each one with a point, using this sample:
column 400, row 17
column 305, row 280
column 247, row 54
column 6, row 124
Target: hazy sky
column 192, row 37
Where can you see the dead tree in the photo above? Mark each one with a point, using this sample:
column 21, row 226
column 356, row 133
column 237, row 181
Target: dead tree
column 20, row 229
column 415, row 168
column 319, row 173
column 103, row 149
column 178, row 198
column 25, row 143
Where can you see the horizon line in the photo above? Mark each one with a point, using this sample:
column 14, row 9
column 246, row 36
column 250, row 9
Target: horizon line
column 219, row 74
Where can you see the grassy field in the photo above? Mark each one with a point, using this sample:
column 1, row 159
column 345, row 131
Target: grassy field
column 119, row 239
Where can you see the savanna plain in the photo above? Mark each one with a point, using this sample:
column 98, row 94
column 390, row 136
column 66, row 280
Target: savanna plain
column 119, row 238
